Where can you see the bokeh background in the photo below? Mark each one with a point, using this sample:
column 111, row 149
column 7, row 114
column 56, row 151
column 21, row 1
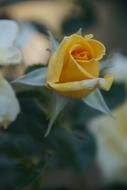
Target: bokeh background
column 85, row 149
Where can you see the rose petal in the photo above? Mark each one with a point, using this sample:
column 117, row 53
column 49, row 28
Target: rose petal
column 79, row 89
column 56, row 64
column 89, row 36
column 60, row 58
column 106, row 82
column 98, row 49
column 91, row 67
column 76, row 85
column 74, row 72
column 77, row 40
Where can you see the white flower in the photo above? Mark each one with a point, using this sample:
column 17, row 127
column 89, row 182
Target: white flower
column 9, row 106
column 9, row 54
column 118, row 67
column 111, row 140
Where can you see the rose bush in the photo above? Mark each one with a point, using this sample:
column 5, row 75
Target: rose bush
column 73, row 69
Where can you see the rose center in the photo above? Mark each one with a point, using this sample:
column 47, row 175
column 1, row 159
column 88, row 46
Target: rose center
column 81, row 54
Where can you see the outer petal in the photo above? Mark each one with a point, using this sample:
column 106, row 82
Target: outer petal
column 53, row 71
column 98, row 49
column 56, row 63
column 80, row 89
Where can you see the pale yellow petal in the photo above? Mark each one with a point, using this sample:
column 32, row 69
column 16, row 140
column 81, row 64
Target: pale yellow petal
column 106, row 82
column 80, row 89
column 76, row 89
column 76, row 85
column 89, row 36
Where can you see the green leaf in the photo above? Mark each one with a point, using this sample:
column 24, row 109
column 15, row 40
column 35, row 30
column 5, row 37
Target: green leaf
column 96, row 101
column 59, row 103
column 74, row 150
column 80, row 32
column 34, row 78
column 53, row 41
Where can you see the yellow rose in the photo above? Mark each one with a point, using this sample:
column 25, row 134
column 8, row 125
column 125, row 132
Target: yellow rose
column 73, row 70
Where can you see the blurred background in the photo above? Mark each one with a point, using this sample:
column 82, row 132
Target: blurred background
column 85, row 150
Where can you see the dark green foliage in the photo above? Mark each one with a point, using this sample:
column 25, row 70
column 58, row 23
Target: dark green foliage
column 25, row 154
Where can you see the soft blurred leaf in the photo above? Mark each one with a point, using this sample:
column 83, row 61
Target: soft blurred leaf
column 80, row 32
column 73, row 151
column 6, row 171
column 96, row 101
column 53, row 41
column 34, row 78
column 59, row 103
column 30, row 174
column 24, row 142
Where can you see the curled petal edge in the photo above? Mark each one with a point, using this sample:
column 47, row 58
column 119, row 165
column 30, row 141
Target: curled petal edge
column 103, row 83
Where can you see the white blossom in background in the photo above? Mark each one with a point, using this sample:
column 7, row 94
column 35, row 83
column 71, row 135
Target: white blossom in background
column 111, row 135
column 25, row 34
column 111, row 142
column 9, row 54
column 33, row 45
column 117, row 67
column 9, row 106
